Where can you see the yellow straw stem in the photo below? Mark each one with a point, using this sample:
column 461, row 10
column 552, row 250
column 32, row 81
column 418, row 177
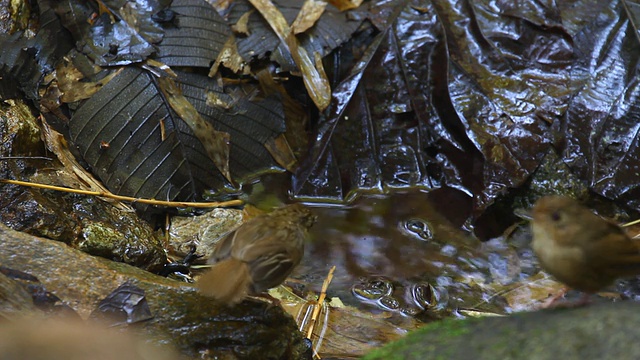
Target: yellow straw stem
column 127, row 198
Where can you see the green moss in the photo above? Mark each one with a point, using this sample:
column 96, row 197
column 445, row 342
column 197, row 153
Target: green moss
column 413, row 345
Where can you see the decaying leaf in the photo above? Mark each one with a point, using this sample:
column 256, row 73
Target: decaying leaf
column 231, row 59
column 281, row 152
column 124, row 34
column 57, row 144
column 242, row 25
column 152, row 153
column 331, row 30
column 432, row 111
column 172, row 137
column 26, row 59
column 317, row 85
column 72, row 86
column 345, row 4
column 216, row 143
column 296, row 116
column 308, row 15
column 251, row 123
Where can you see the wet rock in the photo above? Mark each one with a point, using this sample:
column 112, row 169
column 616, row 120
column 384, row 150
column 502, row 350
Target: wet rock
column 602, row 331
column 26, row 291
column 15, row 302
column 203, row 231
column 91, row 224
column 196, row 325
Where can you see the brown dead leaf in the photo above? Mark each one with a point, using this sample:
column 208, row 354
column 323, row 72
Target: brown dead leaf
column 317, row 86
column 343, row 5
column 279, row 149
column 315, row 80
column 295, row 114
column 528, row 294
column 230, row 58
column 70, row 84
column 242, row 25
column 215, row 142
column 308, row 15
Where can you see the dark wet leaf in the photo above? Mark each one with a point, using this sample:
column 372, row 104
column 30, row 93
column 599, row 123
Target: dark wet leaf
column 370, row 139
column 42, row 298
column 24, row 62
column 52, row 41
column 18, row 69
column 194, row 36
column 251, row 124
column 137, row 145
column 601, row 125
column 77, row 78
column 215, row 143
column 451, row 93
column 332, row 29
column 17, row 274
column 131, row 135
column 125, row 305
column 124, row 34
column 309, row 66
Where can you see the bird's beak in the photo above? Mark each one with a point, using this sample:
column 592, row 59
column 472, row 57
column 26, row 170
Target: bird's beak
column 524, row 214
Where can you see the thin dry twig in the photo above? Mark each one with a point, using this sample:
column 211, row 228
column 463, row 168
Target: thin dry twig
column 318, row 305
column 25, row 158
column 634, row 222
column 127, row 198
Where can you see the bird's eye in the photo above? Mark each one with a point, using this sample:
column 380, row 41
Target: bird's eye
column 555, row 216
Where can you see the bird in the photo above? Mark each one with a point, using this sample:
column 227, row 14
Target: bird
column 579, row 248
column 257, row 256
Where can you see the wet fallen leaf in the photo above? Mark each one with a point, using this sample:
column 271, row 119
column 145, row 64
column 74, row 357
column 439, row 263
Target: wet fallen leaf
column 308, row 15
column 317, row 85
column 216, row 143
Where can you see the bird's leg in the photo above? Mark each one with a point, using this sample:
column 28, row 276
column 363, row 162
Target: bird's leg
column 551, row 301
column 554, row 303
column 266, row 297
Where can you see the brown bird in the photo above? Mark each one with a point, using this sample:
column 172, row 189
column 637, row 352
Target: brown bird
column 257, row 256
column 579, row 248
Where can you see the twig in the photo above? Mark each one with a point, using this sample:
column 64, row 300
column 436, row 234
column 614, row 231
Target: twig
column 630, row 223
column 127, row 198
column 25, row 158
column 318, row 304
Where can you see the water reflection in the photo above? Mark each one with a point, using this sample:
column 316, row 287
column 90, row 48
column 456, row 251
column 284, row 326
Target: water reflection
column 419, row 228
column 395, row 253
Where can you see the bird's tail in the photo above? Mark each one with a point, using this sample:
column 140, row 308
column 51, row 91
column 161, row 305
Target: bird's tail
column 227, row 281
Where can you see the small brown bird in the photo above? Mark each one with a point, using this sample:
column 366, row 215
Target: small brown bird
column 579, row 248
column 257, row 256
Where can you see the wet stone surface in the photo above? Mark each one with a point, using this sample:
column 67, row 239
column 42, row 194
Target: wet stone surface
column 195, row 325
column 91, row 224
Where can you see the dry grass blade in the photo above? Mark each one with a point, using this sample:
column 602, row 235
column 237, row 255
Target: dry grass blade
column 634, row 222
column 318, row 305
column 127, row 198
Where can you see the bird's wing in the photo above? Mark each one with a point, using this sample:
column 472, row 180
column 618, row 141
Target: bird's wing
column 246, row 233
column 271, row 270
column 615, row 254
